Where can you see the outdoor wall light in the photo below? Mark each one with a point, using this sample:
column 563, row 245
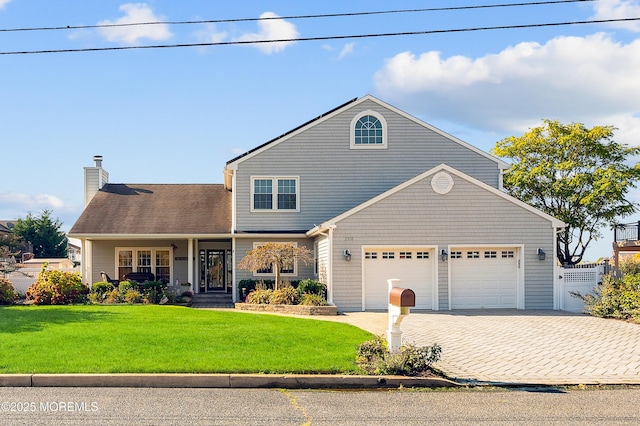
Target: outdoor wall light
column 541, row 254
column 347, row 255
column 443, row 255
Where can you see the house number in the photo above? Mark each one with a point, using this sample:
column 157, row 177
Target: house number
column 348, row 238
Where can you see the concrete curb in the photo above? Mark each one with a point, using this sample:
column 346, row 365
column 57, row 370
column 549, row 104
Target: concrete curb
column 294, row 381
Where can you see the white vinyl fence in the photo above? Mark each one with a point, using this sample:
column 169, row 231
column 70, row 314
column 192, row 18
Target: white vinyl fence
column 581, row 279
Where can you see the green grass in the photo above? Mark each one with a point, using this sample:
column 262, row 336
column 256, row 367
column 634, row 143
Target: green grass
column 170, row 339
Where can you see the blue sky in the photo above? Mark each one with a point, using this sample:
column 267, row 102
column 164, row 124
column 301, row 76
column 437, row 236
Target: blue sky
column 176, row 115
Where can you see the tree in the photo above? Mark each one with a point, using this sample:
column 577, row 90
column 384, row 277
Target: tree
column 578, row 175
column 274, row 257
column 43, row 233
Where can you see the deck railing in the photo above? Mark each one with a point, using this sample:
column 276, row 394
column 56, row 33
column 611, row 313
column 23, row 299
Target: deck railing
column 626, row 232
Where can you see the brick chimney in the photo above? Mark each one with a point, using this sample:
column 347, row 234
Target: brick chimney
column 94, row 179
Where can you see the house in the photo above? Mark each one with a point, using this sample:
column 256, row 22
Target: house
column 73, row 252
column 62, row 263
column 6, row 227
column 626, row 241
column 374, row 192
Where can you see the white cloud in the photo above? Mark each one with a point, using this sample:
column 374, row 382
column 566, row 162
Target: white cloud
column 3, row 3
column 619, row 9
column 135, row 13
column 347, row 50
column 589, row 79
column 272, row 29
column 24, row 203
column 210, row 34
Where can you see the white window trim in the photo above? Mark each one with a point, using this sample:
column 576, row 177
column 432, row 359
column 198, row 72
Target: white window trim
column 274, row 194
column 134, row 261
column 272, row 274
column 352, row 129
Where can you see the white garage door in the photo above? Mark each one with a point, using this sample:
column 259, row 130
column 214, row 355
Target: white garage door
column 483, row 278
column 413, row 266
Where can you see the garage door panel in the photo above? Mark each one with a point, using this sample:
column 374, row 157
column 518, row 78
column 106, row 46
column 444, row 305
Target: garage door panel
column 414, row 267
column 483, row 278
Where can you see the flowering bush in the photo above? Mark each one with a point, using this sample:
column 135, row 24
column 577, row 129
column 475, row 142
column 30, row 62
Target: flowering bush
column 57, row 288
column 7, row 293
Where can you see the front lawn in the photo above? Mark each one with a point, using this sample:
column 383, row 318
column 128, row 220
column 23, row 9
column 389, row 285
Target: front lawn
column 170, row 339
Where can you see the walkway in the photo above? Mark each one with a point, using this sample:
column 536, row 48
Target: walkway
column 514, row 346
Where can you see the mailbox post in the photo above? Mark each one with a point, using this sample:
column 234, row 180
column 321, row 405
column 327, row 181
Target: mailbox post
column 400, row 302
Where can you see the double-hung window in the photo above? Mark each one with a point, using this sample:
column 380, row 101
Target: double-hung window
column 148, row 259
column 288, row 269
column 275, row 193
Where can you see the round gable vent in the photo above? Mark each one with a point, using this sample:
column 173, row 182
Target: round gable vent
column 442, row 182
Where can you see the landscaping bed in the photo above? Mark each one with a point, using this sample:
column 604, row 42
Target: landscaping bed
column 288, row 309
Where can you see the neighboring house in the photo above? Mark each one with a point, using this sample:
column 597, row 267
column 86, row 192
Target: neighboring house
column 373, row 191
column 6, row 226
column 52, row 263
column 73, row 252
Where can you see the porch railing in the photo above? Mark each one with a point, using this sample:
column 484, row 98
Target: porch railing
column 626, row 232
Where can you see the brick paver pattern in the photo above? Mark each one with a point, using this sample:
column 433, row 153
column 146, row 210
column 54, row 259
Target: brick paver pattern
column 528, row 347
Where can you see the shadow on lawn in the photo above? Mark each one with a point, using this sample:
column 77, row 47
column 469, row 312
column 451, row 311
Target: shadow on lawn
column 21, row 320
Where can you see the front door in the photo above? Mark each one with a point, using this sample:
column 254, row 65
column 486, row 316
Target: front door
column 212, row 271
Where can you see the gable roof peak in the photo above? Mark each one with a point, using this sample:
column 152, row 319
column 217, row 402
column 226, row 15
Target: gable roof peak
column 232, row 164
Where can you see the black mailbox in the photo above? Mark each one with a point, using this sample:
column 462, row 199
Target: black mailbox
column 403, row 297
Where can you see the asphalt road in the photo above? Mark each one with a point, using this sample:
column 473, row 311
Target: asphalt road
column 136, row 406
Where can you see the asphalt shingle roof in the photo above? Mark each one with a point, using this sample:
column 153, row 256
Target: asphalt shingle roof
column 157, row 209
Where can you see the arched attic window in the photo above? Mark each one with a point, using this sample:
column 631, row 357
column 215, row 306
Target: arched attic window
column 368, row 131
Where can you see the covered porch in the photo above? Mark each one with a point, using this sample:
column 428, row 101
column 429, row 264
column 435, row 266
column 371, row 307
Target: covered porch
column 202, row 265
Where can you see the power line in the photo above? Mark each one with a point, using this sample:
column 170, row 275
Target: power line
column 227, row 43
column 328, row 15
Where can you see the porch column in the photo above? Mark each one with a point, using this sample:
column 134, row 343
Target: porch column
column 190, row 262
column 87, row 262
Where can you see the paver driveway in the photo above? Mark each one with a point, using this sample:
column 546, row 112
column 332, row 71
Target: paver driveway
column 514, row 346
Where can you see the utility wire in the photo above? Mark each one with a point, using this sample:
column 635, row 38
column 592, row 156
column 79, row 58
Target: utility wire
column 227, row 43
column 328, row 15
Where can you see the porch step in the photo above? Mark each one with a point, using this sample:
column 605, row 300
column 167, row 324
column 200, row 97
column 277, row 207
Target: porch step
column 212, row 300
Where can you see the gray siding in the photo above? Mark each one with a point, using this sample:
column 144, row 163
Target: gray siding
column 323, row 259
column 104, row 257
column 243, row 245
column 466, row 215
column 335, row 178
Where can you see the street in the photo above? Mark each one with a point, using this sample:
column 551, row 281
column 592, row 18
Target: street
column 162, row 406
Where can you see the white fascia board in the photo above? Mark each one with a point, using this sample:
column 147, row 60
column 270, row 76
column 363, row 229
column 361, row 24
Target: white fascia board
column 442, row 167
column 502, row 165
column 234, row 165
column 147, row 236
column 268, row 235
